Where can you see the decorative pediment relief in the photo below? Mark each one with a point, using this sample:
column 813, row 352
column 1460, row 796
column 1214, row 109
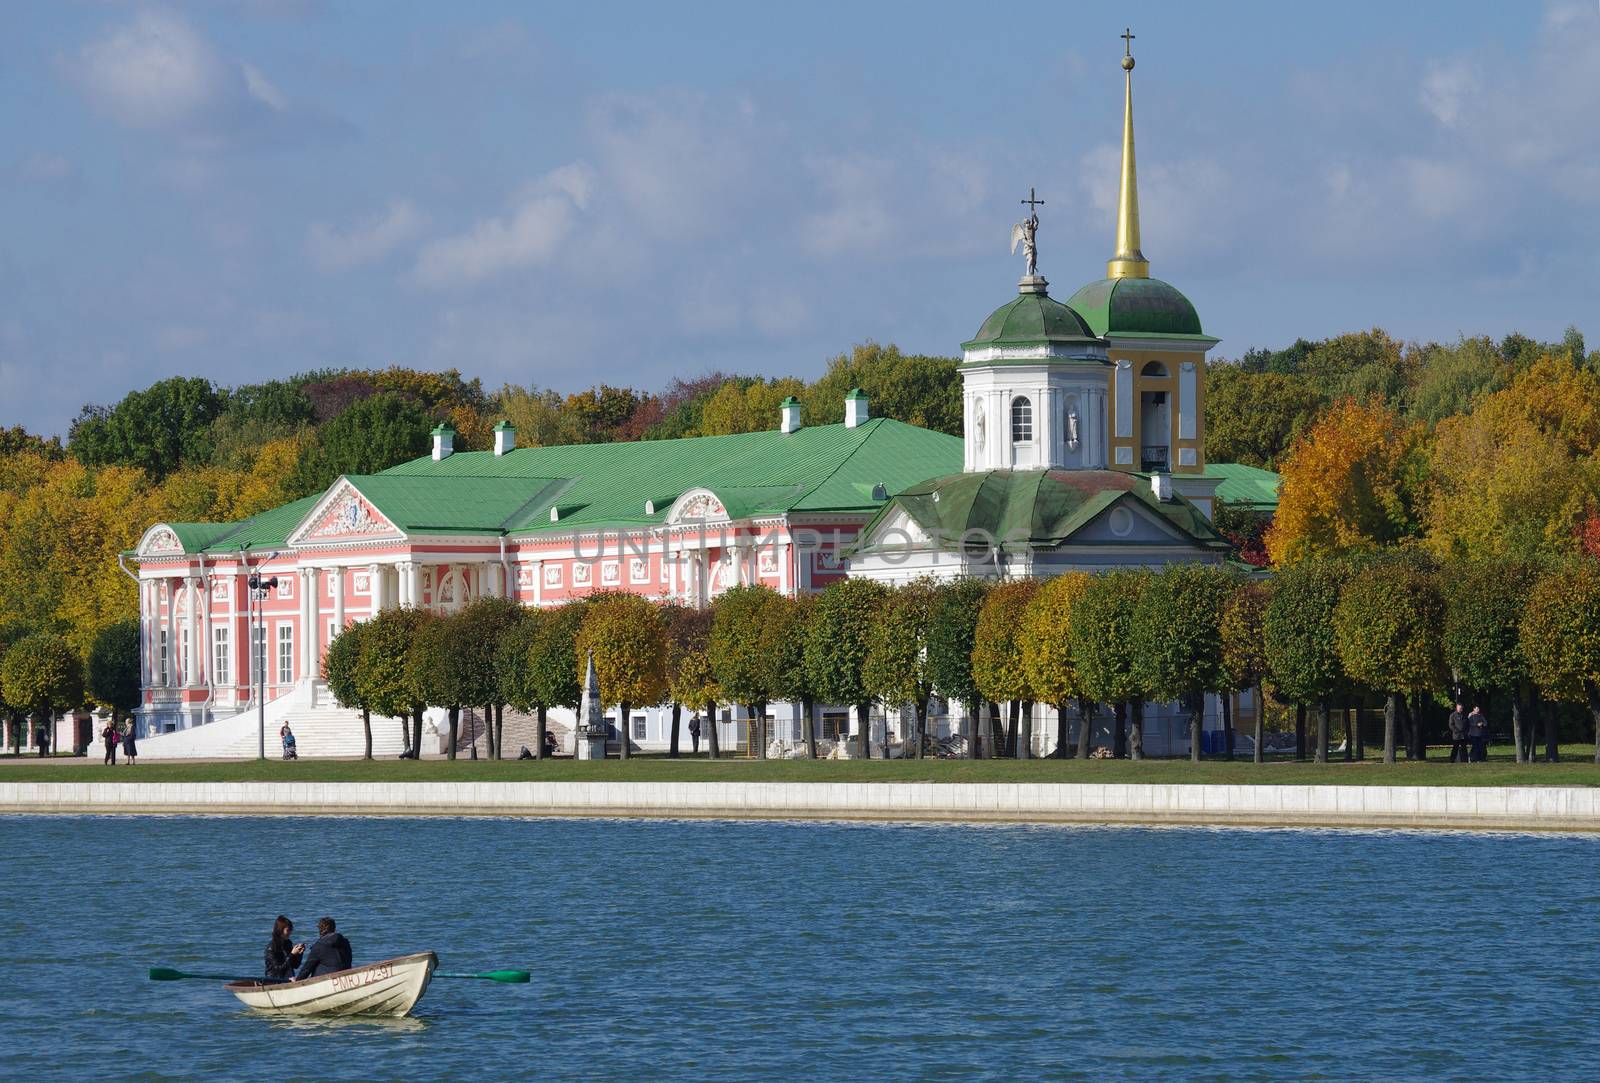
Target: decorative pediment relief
column 159, row 540
column 343, row 515
column 698, row 506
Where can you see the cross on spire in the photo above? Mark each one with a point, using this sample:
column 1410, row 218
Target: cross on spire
column 1127, row 37
column 1031, row 201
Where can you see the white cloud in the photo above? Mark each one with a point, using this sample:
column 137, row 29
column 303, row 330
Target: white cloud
column 155, row 72
column 539, row 222
column 336, row 248
column 1446, row 89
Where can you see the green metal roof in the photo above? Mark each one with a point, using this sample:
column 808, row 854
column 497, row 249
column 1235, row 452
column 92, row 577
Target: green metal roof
column 1045, row 506
column 1137, row 306
column 1032, row 319
column 1247, row 487
column 268, row 528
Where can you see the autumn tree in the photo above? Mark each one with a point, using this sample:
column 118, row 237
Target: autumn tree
column 439, row 672
column 383, row 675
column 896, row 667
column 791, row 631
column 952, row 636
column 1387, row 627
column 1047, row 653
column 693, row 681
column 746, row 405
column 1101, row 641
column 112, row 674
column 1254, row 417
column 836, row 648
column 1350, row 484
column 1177, row 639
column 998, row 667
column 536, row 664
column 1484, row 603
column 374, row 434
column 743, row 652
column 341, row 668
column 40, row 675
column 919, row 390
column 1244, row 651
column 629, row 641
column 1560, row 637
column 1302, row 648
column 12, row 632
column 481, row 626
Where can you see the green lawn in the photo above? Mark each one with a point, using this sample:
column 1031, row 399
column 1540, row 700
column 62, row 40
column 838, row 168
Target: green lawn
column 1577, row 769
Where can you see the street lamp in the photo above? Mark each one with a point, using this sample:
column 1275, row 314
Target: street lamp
column 259, row 587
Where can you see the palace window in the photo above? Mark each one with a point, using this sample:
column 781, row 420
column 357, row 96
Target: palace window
column 166, row 665
column 259, row 635
column 221, row 658
column 285, row 654
column 1021, row 421
column 638, row 727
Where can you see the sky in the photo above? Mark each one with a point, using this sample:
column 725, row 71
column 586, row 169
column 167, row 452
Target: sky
column 560, row 195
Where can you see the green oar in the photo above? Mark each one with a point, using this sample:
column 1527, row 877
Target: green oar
column 510, row 977
column 161, row 973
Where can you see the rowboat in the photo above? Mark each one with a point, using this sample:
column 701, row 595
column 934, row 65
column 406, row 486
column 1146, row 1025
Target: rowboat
column 389, row 988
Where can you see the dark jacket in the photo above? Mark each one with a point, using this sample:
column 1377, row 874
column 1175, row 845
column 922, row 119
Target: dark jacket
column 280, row 959
column 329, row 953
column 1458, row 726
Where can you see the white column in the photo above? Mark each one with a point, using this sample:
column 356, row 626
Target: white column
column 146, row 622
column 203, row 649
column 414, row 583
column 313, row 637
column 375, row 587
column 538, row 582
column 785, row 554
column 191, row 602
column 338, row 597
column 173, row 672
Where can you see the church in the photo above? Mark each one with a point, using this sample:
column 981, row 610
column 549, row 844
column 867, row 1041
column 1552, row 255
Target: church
column 1082, row 449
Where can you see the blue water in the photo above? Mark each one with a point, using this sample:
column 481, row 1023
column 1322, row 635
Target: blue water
column 714, row 950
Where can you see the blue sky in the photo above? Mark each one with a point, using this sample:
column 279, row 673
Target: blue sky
column 558, row 195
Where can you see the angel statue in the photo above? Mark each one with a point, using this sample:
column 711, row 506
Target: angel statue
column 1023, row 233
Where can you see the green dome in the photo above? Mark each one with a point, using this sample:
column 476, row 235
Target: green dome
column 1033, row 319
column 1136, row 306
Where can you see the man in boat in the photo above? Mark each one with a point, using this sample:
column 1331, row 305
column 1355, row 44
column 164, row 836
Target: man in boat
column 331, row 952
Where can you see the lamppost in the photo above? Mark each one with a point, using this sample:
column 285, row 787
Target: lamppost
column 258, row 590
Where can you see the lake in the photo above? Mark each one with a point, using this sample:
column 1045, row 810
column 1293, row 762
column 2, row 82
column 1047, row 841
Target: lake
column 739, row 950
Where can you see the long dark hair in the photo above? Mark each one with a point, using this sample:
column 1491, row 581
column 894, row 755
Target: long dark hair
column 282, row 928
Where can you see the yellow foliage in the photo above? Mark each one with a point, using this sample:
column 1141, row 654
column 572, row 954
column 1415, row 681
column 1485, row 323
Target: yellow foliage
column 754, row 408
column 1046, row 654
column 1349, row 484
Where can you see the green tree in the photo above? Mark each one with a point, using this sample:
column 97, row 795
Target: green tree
column 540, row 674
column 1302, row 649
column 441, row 673
column 836, row 649
column 1387, row 628
column 791, row 631
column 40, row 675
column 1484, row 603
column 11, row 633
column 951, row 638
column 743, row 652
column 481, row 627
column 629, row 641
column 918, row 390
column 693, row 681
column 997, row 660
column 374, row 434
column 1244, row 651
column 1177, row 639
column 384, row 672
column 157, row 430
column 112, row 675
column 1101, row 643
column 1560, row 637
column 1255, row 417
column 341, row 669
column 1047, row 653
column 896, row 667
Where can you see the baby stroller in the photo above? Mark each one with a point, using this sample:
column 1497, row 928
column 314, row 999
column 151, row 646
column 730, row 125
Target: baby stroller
column 289, row 752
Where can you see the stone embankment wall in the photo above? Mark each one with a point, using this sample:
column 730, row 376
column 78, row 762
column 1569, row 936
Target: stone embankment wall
column 1498, row 808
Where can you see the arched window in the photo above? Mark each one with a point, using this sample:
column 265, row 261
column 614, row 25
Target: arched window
column 1154, row 368
column 1021, row 421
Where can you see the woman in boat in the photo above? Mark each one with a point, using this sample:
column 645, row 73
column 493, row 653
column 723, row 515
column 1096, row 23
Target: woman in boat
column 282, row 954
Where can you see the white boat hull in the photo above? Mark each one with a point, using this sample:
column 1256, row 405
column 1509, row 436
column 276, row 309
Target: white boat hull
column 390, row 988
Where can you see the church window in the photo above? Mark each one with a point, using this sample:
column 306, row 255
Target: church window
column 1021, row 421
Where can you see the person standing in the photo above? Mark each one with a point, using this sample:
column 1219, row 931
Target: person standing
column 287, row 734
column 694, row 735
column 109, row 737
column 1478, row 734
column 130, row 743
column 1458, row 735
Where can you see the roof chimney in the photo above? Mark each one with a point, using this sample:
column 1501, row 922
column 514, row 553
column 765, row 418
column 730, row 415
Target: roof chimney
column 505, row 437
column 1161, row 485
column 444, row 441
column 789, row 415
column 855, row 408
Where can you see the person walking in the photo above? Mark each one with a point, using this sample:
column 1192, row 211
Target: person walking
column 1458, row 735
column 1478, row 734
column 109, row 737
column 287, row 734
column 130, row 743
column 694, row 734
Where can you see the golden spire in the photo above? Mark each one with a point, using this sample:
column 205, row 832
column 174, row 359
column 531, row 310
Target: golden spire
column 1128, row 262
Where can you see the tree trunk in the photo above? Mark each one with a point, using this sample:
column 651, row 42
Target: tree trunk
column 455, row 722
column 1361, row 745
column 1061, row 731
column 623, row 726
column 1299, row 731
column 1322, row 731
column 1226, row 699
column 499, row 731
column 1119, row 733
column 997, row 740
column 472, row 738
column 1085, row 727
column 1594, row 714
column 808, row 725
column 1013, row 715
column 1024, row 748
column 542, row 728
column 1197, row 708
column 1419, row 733
column 1517, row 734
column 1349, row 737
column 713, row 746
column 758, row 729
column 864, row 728
column 1135, row 738
column 922, row 726
column 1391, row 709
column 1547, row 715
column 672, row 738
column 366, row 725
column 1260, row 755
column 416, row 733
